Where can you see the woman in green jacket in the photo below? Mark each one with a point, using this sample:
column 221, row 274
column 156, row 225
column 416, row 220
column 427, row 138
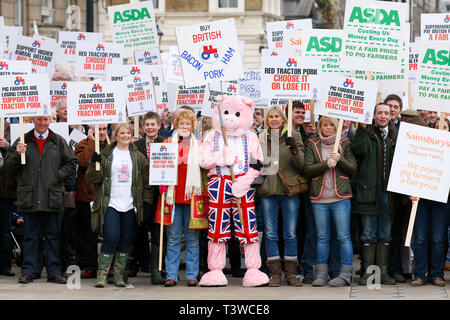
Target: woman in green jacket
column 119, row 188
column 286, row 162
column 330, row 195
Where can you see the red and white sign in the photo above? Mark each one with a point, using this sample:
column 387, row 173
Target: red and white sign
column 140, row 94
column 96, row 102
column 92, row 58
column 67, row 44
column 435, row 27
column 347, row 98
column 192, row 97
column 150, row 56
column 25, row 95
column 174, row 71
column 14, row 67
column 413, row 60
column 276, row 30
column 58, row 91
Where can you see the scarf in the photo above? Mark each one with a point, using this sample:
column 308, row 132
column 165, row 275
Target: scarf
column 193, row 177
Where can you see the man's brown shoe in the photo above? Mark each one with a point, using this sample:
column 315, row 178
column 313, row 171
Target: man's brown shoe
column 399, row 278
column 191, row 283
column 447, row 267
column 439, row 282
column 57, row 279
column 418, row 282
column 26, row 278
column 87, row 274
column 170, row 283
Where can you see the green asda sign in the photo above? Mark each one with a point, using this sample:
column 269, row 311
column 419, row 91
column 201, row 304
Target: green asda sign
column 324, row 44
column 131, row 15
column 442, row 57
column 375, row 16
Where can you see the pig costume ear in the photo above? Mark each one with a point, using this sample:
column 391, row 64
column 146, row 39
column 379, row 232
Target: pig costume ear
column 248, row 102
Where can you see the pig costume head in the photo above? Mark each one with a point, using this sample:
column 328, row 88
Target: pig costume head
column 237, row 114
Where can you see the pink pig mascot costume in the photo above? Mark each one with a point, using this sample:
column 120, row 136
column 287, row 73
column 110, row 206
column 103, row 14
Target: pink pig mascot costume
column 243, row 151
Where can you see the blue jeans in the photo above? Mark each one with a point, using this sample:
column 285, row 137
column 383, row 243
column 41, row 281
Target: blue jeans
column 431, row 225
column 181, row 220
column 40, row 225
column 340, row 211
column 119, row 229
column 377, row 227
column 289, row 210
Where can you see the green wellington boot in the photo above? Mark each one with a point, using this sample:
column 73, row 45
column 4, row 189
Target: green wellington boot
column 104, row 261
column 368, row 259
column 120, row 262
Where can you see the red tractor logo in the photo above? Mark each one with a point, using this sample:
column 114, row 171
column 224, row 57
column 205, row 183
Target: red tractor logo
column 146, row 53
column 33, row 70
column 274, row 53
column 19, row 80
column 447, row 18
column 348, row 82
column 137, row 79
column 289, row 25
column 96, row 88
column 291, row 62
column 163, row 148
column 100, row 47
column 64, row 86
column 36, row 44
column 135, row 70
column 208, row 51
column 81, row 37
column 232, row 88
column 3, row 65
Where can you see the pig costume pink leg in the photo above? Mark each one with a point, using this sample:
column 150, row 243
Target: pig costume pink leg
column 243, row 145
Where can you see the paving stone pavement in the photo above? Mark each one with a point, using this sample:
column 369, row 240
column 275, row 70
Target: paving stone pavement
column 10, row 289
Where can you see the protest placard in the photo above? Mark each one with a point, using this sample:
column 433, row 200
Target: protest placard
column 250, row 84
column 150, row 56
column 140, row 94
column 292, row 41
column 67, row 44
column 347, row 98
column 14, row 67
column 10, row 33
column 92, row 58
column 413, row 60
column 74, row 137
column 164, row 59
column 290, row 77
column 95, row 102
column 432, row 88
column 25, row 95
column 209, row 52
column 58, row 91
column 373, row 35
column 419, row 165
column 174, row 70
column 275, row 30
column 435, row 26
column 134, row 26
column 215, row 90
column 192, row 97
column 39, row 50
column 61, row 128
column 163, row 164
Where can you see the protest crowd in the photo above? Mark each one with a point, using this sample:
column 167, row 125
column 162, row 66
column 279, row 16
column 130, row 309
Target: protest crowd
column 268, row 193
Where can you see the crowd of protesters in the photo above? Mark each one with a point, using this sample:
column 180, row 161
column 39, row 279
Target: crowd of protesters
column 336, row 209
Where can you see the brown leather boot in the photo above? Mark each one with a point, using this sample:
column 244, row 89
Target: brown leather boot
column 290, row 269
column 274, row 266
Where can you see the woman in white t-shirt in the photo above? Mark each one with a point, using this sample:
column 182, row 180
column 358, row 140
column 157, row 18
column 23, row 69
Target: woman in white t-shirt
column 121, row 186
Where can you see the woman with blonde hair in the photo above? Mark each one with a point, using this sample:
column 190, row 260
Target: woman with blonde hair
column 185, row 202
column 280, row 166
column 330, row 194
column 120, row 187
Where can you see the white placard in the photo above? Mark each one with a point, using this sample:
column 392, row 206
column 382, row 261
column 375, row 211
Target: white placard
column 140, row 94
column 413, row 56
column 292, row 42
column 163, row 164
column 14, row 67
column 25, row 95
column 373, row 35
column 290, row 77
column 275, row 30
column 92, row 58
column 39, row 50
column 420, row 164
column 61, row 128
column 95, row 102
column 347, row 98
column 174, row 70
column 209, row 52
column 151, row 56
column 435, row 27
column 215, row 90
column 134, row 26
column 75, row 137
column 192, row 97
column 58, row 91
column 11, row 32
column 432, row 87
column 67, row 44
